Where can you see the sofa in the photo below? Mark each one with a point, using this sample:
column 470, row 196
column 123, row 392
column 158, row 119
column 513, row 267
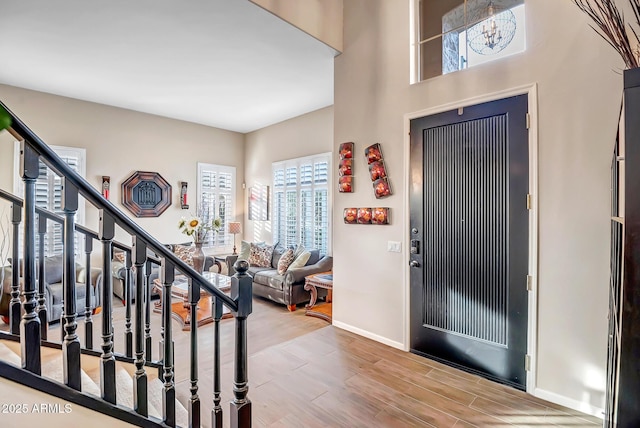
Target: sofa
column 53, row 289
column 287, row 288
column 118, row 270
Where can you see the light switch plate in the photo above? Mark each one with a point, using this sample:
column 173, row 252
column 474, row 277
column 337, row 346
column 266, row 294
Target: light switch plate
column 394, row 246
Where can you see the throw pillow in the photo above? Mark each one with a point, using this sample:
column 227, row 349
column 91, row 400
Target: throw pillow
column 300, row 261
column 285, row 261
column 278, row 251
column 245, row 250
column 299, row 250
column 260, row 255
column 184, row 253
column 119, row 256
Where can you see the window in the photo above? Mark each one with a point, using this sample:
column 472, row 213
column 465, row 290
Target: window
column 48, row 192
column 456, row 34
column 301, row 202
column 216, row 198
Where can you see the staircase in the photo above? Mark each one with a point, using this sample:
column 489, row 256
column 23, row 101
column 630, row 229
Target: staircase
column 130, row 386
column 90, row 378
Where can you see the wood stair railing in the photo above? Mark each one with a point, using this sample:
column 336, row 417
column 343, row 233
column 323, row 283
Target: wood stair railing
column 28, row 317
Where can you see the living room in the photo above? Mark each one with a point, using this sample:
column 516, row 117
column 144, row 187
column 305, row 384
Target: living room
column 577, row 99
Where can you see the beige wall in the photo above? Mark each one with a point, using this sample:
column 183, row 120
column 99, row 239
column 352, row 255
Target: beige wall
column 119, row 142
column 579, row 90
column 321, row 19
column 305, row 135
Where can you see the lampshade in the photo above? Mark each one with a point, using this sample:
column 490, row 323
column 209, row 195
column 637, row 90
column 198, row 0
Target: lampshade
column 235, row 227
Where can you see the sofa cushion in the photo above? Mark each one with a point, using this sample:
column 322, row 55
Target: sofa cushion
column 285, row 261
column 56, row 293
column 314, row 257
column 301, row 260
column 184, row 253
column 278, row 251
column 245, row 250
column 52, row 269
column 261, row 255
column 270, row 278
column 253, row 270
column 119, row 256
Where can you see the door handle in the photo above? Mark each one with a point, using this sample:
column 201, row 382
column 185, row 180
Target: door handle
column 414, row 264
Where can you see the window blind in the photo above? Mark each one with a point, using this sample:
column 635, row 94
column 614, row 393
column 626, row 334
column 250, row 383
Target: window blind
column 301, row 202
column 216, row 199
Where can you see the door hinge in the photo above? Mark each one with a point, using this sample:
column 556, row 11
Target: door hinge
column 528, row 118
column 527, row 363
column 460, row 111
column 528, row 201
column 529, row 283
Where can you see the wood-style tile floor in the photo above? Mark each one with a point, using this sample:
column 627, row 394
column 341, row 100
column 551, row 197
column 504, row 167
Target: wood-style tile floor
column 304, row 372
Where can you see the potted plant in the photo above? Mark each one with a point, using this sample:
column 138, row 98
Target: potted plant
column 610, row 24
column 5, row 119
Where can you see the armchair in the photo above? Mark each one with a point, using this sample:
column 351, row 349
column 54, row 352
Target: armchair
column 53, row 290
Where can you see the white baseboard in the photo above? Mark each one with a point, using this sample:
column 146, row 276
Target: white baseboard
column 369, row 335
column 569, row 402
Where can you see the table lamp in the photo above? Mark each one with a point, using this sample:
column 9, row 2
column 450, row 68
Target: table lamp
column 234, row 228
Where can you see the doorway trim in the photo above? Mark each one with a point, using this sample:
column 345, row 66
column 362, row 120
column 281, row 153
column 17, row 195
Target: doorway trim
column 531, row 90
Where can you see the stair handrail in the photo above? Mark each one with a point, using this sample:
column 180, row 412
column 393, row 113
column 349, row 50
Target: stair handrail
column 10, row 197
column 53, row 161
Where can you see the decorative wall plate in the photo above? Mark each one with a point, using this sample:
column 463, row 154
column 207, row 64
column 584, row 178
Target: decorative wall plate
column 146, row 194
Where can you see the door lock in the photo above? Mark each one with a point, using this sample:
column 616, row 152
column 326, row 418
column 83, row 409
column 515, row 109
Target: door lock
column 415, row 246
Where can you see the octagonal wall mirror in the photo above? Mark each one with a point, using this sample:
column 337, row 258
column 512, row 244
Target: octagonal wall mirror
column 146, row 194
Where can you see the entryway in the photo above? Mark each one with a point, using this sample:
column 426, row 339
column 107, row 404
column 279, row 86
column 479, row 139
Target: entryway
column 469, row 231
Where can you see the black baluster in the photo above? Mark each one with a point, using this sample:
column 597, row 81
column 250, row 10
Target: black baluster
column 161, row 341
column 139, row 251
column 88, row 321
column 42, row 307
column 216, row 413
column 30, row 324
column 107, row 359
column 71, row 344
column 128, row 296
column 147, row 310
column 167, row 275
column 242, row 295
column 194, row 400
column 14, row 303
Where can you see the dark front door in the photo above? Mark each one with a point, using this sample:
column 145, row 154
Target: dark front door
column 469, row 238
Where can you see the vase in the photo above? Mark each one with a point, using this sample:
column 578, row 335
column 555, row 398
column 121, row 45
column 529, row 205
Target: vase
column 198, row 258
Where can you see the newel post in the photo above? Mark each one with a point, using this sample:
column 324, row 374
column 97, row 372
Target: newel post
column 241, row 293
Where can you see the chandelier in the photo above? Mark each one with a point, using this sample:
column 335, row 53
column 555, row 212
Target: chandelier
column 493, row 31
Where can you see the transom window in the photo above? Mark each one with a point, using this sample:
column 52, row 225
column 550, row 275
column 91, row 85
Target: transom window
column 216, row 198
column 301, row 202
column 453, row 35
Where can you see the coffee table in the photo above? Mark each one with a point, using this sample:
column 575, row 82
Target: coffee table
column 311, row 284
column 181, row 311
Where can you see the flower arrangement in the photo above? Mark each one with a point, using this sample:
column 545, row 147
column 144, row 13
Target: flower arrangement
column 610, row 25
column 196, row 228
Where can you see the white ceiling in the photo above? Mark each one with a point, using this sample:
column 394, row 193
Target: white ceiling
column 222, row 63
